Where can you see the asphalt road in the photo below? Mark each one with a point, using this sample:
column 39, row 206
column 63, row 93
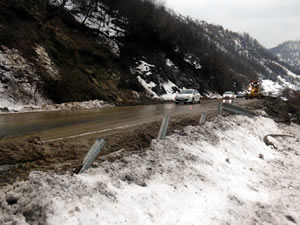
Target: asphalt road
column 62, row 124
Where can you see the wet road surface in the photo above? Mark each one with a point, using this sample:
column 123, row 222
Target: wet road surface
column 57, row 124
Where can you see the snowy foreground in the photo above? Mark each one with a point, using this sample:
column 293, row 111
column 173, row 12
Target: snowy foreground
column 219, row 173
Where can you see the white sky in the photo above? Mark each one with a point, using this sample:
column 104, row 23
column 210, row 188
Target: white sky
column 271, row 22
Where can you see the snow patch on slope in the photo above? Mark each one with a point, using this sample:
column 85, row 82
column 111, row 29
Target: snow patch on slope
column 288, row 72
column 192, row 61
column 171, row 64
column 46, row 62
column 98, row 20
column 144, row 68
column 289, row 52
column 18, row 81
column 148, row 87
column 170, row 88
column 211, row 175
column 285, row 79
column 271, row 88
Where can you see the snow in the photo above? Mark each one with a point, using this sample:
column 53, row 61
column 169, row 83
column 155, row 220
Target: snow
column 171, row 64
column 21, row 108
column 192, row 61
column 91, row 104
column 289, row 52
column 271, row 88
column 212, row 95
column 288, row 72
column 4, row 103
column 148, row 87
column 284, row 80
column 19, row 81
column 100, row 21
column 219, row 173
column 144, row 68
column 169, row 88
column 46, row 62
column 107, row 27
column 237, row 43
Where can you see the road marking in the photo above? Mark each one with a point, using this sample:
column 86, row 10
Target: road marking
column 93, row 132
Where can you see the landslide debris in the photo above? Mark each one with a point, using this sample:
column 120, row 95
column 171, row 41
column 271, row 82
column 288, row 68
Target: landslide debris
column 280, row 110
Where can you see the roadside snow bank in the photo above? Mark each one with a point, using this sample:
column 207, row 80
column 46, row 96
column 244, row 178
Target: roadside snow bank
column 92, row 104
column 220, row 173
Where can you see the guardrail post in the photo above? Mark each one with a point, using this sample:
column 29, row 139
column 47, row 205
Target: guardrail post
column 92, row 154
column 163, row 128
column 203, row 117
column 219, row 108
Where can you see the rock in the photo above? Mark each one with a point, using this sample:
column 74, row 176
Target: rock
column 4, row 109
column 261, row 156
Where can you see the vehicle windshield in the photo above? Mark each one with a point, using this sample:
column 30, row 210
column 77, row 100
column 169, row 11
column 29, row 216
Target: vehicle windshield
column 186, row 91
column 228, row 93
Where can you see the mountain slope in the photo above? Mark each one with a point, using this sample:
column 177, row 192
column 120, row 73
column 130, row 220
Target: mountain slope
column 288, row 52
column 126, row 53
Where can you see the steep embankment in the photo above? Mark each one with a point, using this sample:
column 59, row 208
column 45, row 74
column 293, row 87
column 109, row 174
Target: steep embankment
column 48, row 55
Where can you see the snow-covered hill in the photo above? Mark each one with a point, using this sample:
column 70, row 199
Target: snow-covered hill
column 123, row 54
column 205, row 176
column 288, row 52
column 274, row 75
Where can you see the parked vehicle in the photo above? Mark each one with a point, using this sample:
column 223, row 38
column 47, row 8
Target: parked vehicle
column 228, row 96
column 188, row 96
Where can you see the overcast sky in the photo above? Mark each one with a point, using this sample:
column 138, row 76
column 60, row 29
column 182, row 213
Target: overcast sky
column 271, row 22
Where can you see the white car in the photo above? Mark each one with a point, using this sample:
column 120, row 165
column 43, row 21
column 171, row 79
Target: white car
column 228, row 96
column 188, row 96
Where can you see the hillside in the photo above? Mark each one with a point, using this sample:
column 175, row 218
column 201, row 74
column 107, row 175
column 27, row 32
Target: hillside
column 65, row 51
column 288, row 52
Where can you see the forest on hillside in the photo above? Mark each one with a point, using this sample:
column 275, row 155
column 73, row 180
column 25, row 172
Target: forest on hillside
column 225, row 60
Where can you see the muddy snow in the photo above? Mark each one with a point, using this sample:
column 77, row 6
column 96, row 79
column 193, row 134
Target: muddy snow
column 218, row 173
column 92, row 104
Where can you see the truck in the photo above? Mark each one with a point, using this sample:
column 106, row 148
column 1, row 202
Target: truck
column 254, row 90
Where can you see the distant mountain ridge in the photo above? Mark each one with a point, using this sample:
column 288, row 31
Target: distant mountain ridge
column 289, row 52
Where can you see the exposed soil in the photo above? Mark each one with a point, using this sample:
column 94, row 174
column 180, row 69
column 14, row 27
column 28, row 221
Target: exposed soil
column 19, row 157
column 280, row 110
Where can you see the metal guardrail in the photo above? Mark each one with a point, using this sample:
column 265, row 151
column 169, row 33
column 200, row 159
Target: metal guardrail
column 238, row 110
column 202, row 119
column 163, row 128
column 219, row 108
column 92, row 154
